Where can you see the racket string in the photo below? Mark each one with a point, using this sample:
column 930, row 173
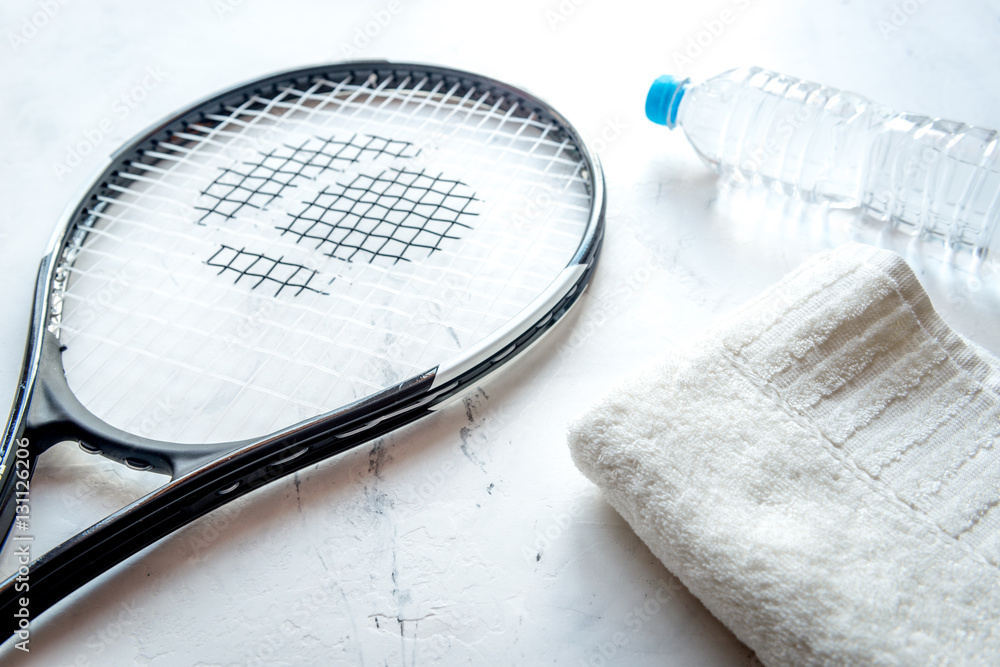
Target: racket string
column 245, row 265
column 284, row 150
column 404, row 213
column 261, row 183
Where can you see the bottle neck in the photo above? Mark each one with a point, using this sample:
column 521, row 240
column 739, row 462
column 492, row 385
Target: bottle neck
column 664, row 99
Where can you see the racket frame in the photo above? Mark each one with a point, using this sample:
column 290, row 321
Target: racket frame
column 204, row 477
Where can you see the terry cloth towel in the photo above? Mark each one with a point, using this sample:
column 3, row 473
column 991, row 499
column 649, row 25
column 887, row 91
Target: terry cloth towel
column 821, row 470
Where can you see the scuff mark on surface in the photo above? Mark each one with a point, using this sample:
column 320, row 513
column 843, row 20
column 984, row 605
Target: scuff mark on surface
column 377, row 457
column 376, row 501
column 454, row 336
column 473, row 414
column 465, row 434
column 298, row 493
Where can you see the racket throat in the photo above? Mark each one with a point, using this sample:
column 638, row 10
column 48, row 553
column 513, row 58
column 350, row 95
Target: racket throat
column 55, row 415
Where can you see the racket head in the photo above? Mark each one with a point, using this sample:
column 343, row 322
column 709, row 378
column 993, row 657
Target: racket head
column 300, row 164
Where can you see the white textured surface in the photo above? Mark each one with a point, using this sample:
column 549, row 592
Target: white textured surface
column 469, row 538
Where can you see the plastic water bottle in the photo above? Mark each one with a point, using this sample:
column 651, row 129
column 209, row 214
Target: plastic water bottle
column 931, row 178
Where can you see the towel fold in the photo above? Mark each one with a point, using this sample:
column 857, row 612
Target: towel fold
column 822, row 470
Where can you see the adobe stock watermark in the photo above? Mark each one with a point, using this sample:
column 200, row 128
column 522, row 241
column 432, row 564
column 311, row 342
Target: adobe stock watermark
column 604, row 303
column 263, row 649
column 546, row 536
column 85, row 487
column 113, row 631
column 711, row 30
column 404, row 346
column 547, row 196
column 369, row 31
column 34, row 22
column 611, row 131
column 200, row 537
column 121, row 623
column 891, row 200
column 96, row 482
column 968, row 289
column 777, row 140
column 424, row 492
column 103, row 298
column 21, row 540
column 900, row 15
column 604, row 654
column 427, row 148
column 225, row 7
column 911, row 181
column 121, row 108
column 258, row 320
column 434, row 648
column 209, row 528
column 560, row 13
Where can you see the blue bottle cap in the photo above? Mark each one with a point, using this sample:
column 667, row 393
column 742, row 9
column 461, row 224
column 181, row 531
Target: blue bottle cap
column 664, row 99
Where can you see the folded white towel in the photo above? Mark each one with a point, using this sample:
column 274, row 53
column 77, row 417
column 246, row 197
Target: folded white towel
column 822, row 470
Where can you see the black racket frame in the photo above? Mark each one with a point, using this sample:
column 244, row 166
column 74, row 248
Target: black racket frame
column 205, row 477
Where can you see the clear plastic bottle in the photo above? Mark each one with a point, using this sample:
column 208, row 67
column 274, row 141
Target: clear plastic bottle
column 932, row 178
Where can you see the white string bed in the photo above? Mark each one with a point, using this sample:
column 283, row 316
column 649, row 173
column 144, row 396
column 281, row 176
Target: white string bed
column 304, row 250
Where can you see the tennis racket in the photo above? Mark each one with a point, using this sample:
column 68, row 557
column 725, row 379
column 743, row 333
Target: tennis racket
column 285, row 271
